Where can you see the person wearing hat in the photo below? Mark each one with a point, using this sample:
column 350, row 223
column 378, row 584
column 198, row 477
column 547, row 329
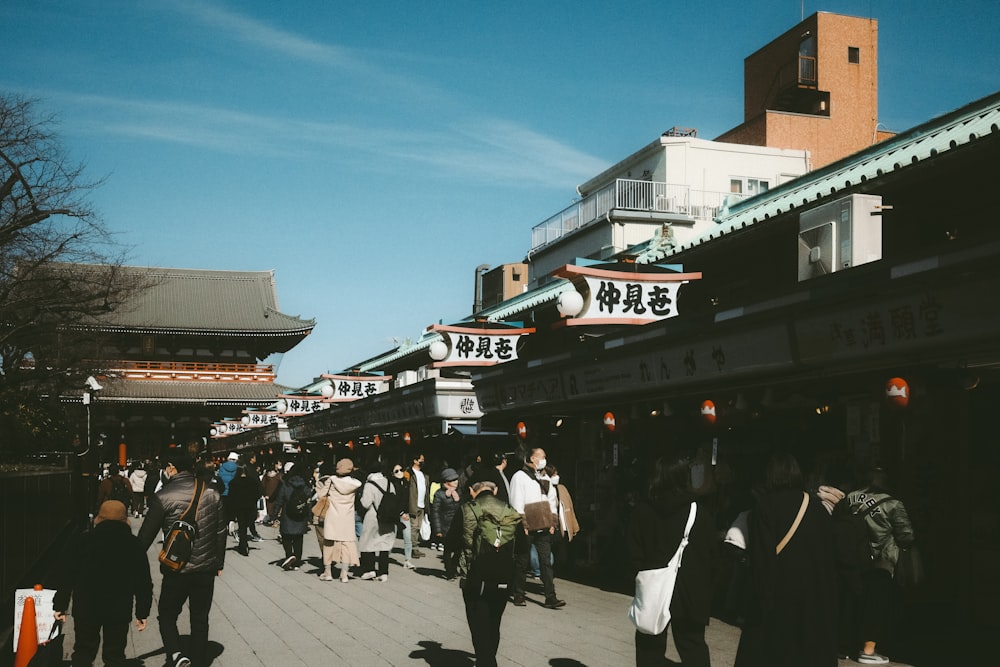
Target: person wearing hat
column 195, row 582
column 443, row 509
column 340, row 540
column 104, row 571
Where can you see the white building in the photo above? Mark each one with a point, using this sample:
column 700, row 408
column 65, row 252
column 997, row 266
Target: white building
column 678, row 184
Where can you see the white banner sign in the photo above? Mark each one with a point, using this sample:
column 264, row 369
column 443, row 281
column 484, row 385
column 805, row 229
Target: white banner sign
column 348, row 388
column 619, row 297
column 298, row 405
column 469, row 346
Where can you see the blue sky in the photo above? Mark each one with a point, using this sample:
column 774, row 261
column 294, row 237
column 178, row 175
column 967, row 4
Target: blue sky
column 373, row 154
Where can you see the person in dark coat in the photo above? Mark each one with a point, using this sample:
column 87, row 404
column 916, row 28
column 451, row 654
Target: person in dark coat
column 104, row 571
column 792, row 618
column 244, row 490
column 654, row 533
column 291, row 529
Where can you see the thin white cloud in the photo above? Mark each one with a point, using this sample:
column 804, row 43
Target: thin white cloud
column 482, row 149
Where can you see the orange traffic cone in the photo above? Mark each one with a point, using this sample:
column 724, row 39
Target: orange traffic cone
column 27, row 640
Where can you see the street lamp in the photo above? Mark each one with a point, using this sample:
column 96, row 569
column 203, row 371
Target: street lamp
column 89, row 395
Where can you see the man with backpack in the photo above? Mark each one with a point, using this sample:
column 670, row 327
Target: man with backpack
column 194, row 581
column 114, row 487
column 487, row 565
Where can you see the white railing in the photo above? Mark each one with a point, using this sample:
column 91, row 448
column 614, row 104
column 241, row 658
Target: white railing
column 628, row 195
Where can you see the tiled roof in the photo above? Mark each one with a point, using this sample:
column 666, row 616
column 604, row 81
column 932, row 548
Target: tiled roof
column 949, row 132
column 201, row 301
column 203, row 393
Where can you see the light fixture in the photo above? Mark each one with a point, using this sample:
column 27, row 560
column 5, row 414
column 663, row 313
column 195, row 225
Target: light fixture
column 327, row 390
column 245, row 420
column 559, row 422
column 213, row 432
column 281, row 405
column 438, row 350
column 570, row 303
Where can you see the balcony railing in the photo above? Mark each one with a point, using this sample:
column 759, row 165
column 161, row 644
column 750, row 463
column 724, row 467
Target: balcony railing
column 189, row 371
column 628, row 195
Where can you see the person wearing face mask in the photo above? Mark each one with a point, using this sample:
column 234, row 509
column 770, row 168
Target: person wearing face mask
column 420, row 499
column 530, row 486
column 401, row 486
column 443, row 509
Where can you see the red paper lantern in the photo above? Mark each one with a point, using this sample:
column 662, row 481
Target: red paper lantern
column 708, row 411
column 897, row 392
column 609, row 421
column 406, row 438
column 522, row 430
column 350, row 445
column 378, row 441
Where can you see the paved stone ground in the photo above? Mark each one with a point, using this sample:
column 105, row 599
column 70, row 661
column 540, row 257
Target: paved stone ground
column 264, row 616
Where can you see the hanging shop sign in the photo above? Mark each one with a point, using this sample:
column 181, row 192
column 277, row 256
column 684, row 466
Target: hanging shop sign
column 474, row 346
column 227, row 427
column 259, row 418
column 347, row 388
column 294, row 406
column 620, row 297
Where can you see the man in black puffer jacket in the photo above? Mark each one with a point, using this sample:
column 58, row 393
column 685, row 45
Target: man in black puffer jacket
column 104, row 570
column 195, row 582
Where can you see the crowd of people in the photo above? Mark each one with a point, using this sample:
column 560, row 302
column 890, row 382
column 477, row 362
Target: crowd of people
column 797, row 576
column 806, row 570
column 356, row 510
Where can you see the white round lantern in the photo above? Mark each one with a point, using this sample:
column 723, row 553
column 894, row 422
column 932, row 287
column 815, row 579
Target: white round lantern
column 438, row 350
column 327, row 390
column 570, row 303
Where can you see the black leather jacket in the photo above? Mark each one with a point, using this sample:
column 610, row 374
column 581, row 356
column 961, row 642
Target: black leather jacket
column 208, row 552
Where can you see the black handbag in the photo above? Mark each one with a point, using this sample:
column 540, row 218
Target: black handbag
column 909, row 570
column 50, row 653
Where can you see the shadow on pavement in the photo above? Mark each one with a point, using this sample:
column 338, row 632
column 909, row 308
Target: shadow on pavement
column 435, row 655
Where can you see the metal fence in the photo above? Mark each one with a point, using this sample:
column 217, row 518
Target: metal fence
column 40, row 498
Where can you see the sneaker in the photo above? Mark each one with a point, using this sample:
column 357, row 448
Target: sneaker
column 407, row 565
column 368, row 575
column 519, row 601
column 255, row 538
column 554, row 603
column 872, row 659
column 382, row 577
column 288, row 563
column 181, row 661
column 418, row 554
column 325, row 577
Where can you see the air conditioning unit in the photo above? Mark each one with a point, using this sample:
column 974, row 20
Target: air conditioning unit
column 839, row 235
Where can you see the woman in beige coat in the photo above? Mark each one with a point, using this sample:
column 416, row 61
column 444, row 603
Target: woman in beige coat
column 340, row 543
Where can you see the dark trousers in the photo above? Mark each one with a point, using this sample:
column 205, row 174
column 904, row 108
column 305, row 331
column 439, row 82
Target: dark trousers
column 293, row 545
column 368, row 562
column 484, row 607
column 689, row 637
column 87, row 637
column 197, row 590
column 875, row 613
column 244, row 519
column 542, row 541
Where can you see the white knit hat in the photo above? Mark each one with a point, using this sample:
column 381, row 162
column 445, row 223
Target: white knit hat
column 233, row 456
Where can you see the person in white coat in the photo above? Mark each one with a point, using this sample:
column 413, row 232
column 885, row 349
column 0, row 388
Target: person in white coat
column 529, row 486
column 339, row 539
column 376, row 542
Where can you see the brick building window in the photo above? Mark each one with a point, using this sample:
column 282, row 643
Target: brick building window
column 853, row 54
